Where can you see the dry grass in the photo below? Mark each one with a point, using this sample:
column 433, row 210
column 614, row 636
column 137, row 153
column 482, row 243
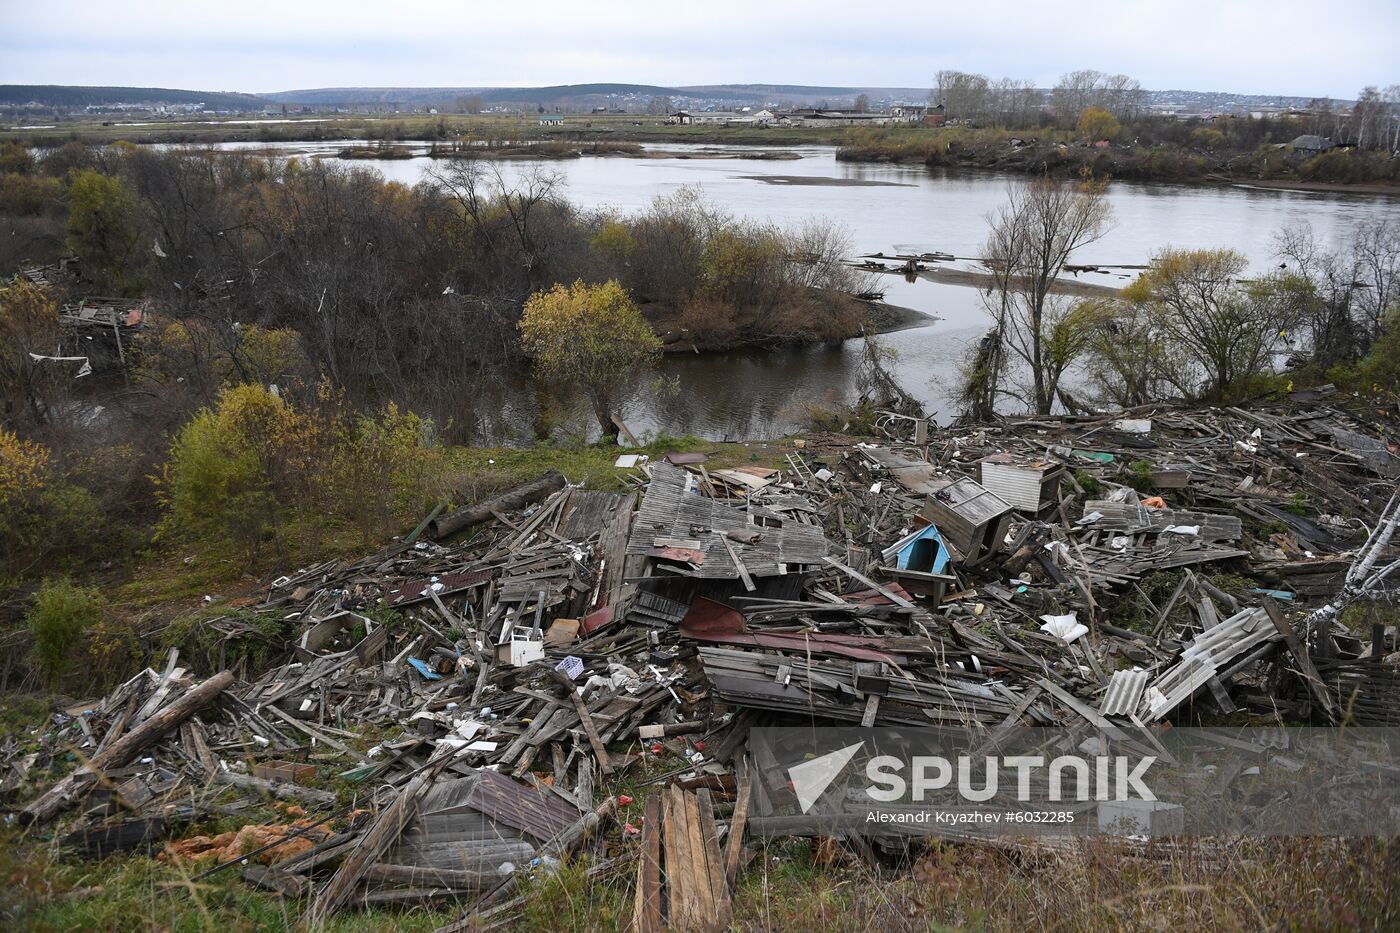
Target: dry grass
column 1294, row 884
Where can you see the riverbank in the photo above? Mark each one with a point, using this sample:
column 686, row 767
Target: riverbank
column 811, row 320
column 621, row 128
column 1020, row 152
column 1382, row 189
column 1058, row 152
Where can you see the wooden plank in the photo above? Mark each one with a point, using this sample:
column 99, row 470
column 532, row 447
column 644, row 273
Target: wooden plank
column 646, row 906
column 739, row 564
column 856, row 575
column 590, row 728
column 276, row 788
column 128, row 746
column 721, row 910
column 680, row 905
column 458, row 879
column 872, row 706
column 1008, row 725
column 373, row 843
column 696, row 876
column 734, row 845
column 1300, row 654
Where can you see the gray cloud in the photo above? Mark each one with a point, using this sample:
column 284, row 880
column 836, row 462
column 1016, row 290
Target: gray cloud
column 1285, row 46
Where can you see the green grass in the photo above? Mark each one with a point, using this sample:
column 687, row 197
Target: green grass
column 795, row 885
column 485, row 471
column 139, row 893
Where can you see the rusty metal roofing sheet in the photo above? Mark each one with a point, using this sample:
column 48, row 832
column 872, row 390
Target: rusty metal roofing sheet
column 444, row 584
column 535, row 813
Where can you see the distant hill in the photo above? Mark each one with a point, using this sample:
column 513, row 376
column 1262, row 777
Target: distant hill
column 345, row 96
column 578, row 96
column 769, row 92
column 58, row 95
column 555, row 94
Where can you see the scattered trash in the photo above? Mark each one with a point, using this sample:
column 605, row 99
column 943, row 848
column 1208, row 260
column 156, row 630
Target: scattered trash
column 574, row 634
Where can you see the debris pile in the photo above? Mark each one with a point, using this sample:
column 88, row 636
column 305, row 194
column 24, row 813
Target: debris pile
column 473, row 697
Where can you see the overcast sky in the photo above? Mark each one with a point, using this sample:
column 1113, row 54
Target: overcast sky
column 1309, row 48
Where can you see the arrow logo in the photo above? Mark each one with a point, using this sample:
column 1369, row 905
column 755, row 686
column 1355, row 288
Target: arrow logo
column 811, row 778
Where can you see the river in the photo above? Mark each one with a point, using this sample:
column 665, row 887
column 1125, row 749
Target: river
column 889, row 209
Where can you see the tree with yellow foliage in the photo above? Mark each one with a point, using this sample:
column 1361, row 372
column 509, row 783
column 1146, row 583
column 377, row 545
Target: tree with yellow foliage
column 591, row 337
column 42, row 515
column 104, row 229
column 1221, row 330
column 1098, row 123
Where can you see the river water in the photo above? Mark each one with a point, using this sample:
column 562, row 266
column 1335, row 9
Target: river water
column 889, row 209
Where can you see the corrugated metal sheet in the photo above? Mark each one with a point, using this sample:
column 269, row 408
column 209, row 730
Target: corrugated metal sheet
column 447, row 583
column 1016, row 484
column 533, row 812
column 1124, row 693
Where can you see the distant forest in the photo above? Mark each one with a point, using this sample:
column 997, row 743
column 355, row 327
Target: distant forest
column 57, row 95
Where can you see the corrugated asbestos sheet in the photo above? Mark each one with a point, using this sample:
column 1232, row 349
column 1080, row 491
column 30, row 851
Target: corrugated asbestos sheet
column 479, row 822
column 1120, row 516
column 677, row 524
column 533, row 812
column 1124, row 693
column 1210, row 652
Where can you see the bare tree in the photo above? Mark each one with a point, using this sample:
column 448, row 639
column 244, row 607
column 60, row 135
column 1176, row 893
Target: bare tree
column 1369, row 119
column 1352, row 289
column 1391, row 96
column 1032, row 238
column 862, row 103
column 659, row 106
column 964, row 96
column 1077, row 91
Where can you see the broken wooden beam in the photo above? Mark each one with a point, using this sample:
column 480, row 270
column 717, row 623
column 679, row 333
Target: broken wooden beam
column 127, row 747
column 515, row 499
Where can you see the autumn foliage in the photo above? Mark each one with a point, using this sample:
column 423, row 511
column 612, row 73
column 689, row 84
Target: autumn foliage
column 591, row 337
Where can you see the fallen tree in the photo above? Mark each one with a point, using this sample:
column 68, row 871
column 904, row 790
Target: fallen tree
column 517, row 498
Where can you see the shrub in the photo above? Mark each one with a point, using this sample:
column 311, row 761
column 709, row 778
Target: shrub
column 1378, row 373
column 62, row 612
column 29, row 194
column 614, row 239
column 219, row 483
column 709, row 322
column 43, row 517
column 255, row 470
column 15, row 158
